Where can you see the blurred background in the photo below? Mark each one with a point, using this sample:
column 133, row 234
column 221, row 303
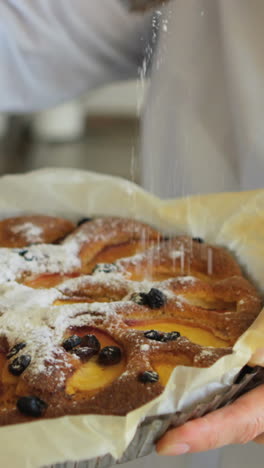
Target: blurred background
column 98, row 132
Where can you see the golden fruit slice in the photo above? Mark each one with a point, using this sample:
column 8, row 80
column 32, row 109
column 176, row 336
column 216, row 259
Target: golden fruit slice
column 194, row 334
column 72, row 300
column 210, row 303
column 83, row 299
column 166, row 364
column 140, row 274
column 91, row 376
column 46, row 280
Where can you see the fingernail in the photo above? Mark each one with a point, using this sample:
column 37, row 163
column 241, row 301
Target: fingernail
column 175, row 449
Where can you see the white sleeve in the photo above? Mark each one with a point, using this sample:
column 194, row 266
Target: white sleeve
column 54, row 50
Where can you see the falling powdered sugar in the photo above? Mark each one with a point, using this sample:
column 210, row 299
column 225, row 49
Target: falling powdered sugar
column 176, row 254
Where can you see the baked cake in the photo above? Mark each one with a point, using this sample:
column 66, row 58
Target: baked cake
column 95, row 316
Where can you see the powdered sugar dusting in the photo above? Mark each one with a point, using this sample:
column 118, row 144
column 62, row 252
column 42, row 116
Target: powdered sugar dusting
column 175, row 254
column 186, row 279
column 98, row 232
column 36, row 259
column 30, row 315
column 144, row 347
column 30, row 231
column 207, row 352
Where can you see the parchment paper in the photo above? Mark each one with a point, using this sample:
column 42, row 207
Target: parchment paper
column 232, row 220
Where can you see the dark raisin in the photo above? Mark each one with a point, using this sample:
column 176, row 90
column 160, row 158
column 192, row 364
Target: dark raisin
column 19, row 364
column 13, row 351
column 27, row 255
column 198, row 239
column 110, row 355
column 154, row 335
column 140, row 298
column 171, row 336
column 89, row 346
column 90, row 341
column 156, row 299
column 105, row 268
column 84, row 353
column 83, row 221
column 23, row 252
column 148, row 377
column 31, row 406
column 71, row 342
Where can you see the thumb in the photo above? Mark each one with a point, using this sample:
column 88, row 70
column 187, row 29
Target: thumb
column 238, row 423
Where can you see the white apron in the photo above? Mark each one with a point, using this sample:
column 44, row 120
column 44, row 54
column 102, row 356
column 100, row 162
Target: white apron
column 203, row 125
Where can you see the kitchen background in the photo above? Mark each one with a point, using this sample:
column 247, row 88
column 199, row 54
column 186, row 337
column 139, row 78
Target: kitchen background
column 99, row 132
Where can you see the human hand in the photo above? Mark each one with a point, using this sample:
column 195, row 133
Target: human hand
column 239, row 423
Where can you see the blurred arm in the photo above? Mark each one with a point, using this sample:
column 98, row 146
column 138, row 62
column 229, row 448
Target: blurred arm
column 54, row 50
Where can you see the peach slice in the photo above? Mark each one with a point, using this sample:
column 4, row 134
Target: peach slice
column 90, row 376
column 46, row 280
column 166, row 364
column 195, row 334
column 209, row 303
column 140, row 274
column 83, row 299
column 72, row 300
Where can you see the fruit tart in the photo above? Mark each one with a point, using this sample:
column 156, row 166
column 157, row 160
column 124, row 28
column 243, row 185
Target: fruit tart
column 95, row 316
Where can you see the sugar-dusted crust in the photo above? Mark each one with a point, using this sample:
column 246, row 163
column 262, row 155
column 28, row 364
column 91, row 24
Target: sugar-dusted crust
column 24, row 230
column 49, row 292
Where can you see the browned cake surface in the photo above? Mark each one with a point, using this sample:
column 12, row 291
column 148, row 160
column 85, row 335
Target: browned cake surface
column 94, row 318
column 25, row 230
